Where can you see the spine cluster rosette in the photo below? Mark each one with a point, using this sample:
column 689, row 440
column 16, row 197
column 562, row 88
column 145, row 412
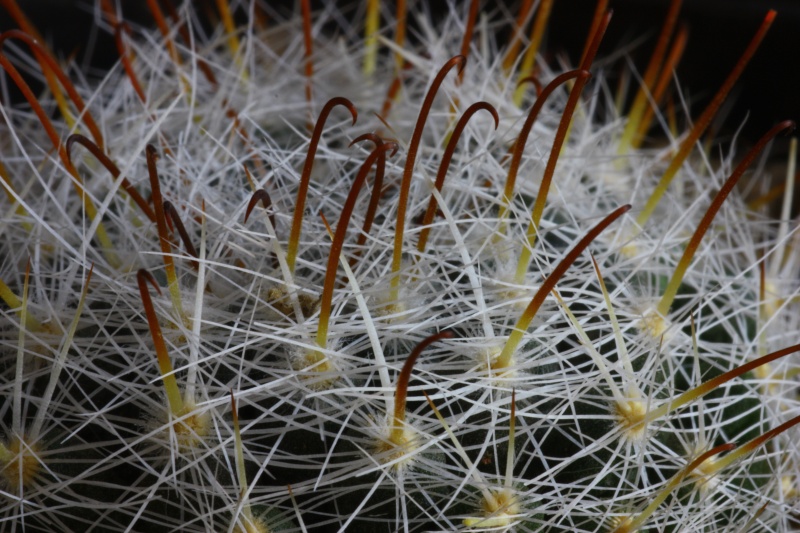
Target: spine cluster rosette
column 323, row 272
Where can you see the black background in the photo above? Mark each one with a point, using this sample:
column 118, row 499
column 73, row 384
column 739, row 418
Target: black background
column 768, row 92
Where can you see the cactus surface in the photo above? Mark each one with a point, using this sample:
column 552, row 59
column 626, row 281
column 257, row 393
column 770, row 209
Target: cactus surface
column 309, row 274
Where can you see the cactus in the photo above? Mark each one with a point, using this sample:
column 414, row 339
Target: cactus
column 306, row 274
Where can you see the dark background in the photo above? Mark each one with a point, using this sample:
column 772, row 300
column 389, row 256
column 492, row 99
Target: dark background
column 719, row 30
